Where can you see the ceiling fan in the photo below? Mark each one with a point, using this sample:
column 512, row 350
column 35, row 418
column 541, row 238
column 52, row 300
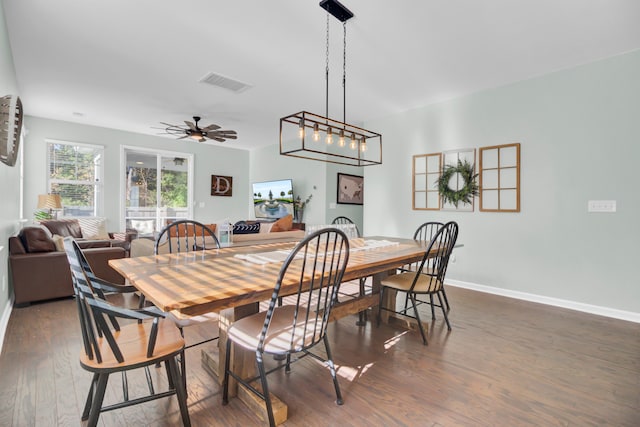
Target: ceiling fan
column 192, row 130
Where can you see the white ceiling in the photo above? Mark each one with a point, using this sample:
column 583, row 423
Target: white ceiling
column 130, row 64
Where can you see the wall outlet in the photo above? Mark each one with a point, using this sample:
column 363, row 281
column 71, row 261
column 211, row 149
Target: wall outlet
column 601, row 206
column 332, row 205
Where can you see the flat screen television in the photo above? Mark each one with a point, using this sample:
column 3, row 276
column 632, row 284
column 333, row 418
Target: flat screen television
column 273, row 199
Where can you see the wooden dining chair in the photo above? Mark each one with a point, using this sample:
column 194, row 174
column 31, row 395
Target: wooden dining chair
column 110, row 347
column 427, row 279
column 188, row 236
column 311, row 273
column 362, row 282
column 424, row 233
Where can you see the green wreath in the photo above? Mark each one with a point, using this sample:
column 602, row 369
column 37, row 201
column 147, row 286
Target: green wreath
column 468, row 190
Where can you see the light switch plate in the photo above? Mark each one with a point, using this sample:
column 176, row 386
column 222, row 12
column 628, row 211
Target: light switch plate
column 601, row 206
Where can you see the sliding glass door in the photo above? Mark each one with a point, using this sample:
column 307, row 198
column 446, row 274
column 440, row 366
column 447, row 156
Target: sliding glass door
column 158, row 189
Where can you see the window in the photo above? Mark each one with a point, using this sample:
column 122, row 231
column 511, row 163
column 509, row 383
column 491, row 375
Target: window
column 158, row 189
column 75, row 173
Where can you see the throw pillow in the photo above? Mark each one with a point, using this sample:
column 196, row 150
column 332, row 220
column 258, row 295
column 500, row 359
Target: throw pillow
column 59, row 242
column 283, row 224
column 94, row 228
column 241, row 227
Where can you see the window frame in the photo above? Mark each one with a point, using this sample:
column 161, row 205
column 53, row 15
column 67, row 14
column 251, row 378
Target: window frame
column 98, row 183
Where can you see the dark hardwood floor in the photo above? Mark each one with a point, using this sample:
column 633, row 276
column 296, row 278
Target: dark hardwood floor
column 505, row 363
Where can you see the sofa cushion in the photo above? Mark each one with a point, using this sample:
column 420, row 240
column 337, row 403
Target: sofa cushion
column 283, row 224
column 35, row 239
column 64, row 227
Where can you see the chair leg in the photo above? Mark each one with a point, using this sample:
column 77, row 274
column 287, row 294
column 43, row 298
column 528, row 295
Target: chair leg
column 169, row 376
column 444, row 312
column 433, row 312
column 98, row 397
column 332, row 369
column 183, row 369
column 265, row 389
column 287, row 368
column 379, row 317
column 446, row 301
column 415, row 310
column 225, row 381
column 181, row 392
column 89, row 401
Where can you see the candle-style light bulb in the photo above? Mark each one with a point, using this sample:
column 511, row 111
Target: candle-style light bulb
column 363, row 145
column 301, row 129
column 316, row 135
column 352, row 144
column 341, row 140
column 329, row 136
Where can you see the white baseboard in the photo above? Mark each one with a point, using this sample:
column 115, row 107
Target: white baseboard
column 557, row 302
column 4, row 321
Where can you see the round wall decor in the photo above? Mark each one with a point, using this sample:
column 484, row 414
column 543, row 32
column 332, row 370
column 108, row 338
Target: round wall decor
column 469, row 187
column 10, row 128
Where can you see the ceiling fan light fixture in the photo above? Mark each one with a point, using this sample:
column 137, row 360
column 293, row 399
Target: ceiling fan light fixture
column 193, row 131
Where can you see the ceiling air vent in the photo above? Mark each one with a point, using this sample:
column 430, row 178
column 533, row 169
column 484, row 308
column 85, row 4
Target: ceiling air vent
column 225, row 82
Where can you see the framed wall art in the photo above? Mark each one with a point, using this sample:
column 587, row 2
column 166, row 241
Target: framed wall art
column 457, row 183
column 350, row 189
column 426, row 171
column 221, row 185
column 500, row 178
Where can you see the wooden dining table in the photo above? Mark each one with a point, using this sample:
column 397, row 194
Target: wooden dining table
column 222, row 280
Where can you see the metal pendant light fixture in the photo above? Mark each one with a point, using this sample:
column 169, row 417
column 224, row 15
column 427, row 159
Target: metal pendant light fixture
column 311, row 136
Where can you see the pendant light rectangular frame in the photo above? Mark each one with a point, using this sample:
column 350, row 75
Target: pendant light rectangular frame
column 297, row 139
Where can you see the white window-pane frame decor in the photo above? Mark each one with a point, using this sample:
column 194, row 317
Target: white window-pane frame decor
column 76, row 173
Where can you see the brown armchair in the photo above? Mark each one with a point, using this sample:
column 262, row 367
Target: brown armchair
column 40, row 271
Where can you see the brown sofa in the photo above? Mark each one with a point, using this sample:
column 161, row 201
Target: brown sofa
column 72, row 228
column 40, row 271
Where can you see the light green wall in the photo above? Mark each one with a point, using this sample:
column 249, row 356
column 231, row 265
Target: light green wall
column 9, row 176
column 209, row 159
column 580, row 133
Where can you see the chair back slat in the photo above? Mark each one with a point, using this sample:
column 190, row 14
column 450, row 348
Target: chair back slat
column 186, row 236
column 315, row 268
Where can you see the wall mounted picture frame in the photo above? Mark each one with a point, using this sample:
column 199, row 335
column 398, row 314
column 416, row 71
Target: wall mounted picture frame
column 500, row 178
column 427, row 168
column 221, row 185
column 350, row 189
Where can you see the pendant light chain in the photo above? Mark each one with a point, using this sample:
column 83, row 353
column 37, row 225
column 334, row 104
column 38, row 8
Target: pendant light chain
column 344, row 72
column 327, row 70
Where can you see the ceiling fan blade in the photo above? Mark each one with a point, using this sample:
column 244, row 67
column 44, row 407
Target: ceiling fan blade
column 215, row 138
column 167, row 124
column 202, row 139
column 211, row 127
column 183, row 137
column 231, row 136
column 191, row 125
